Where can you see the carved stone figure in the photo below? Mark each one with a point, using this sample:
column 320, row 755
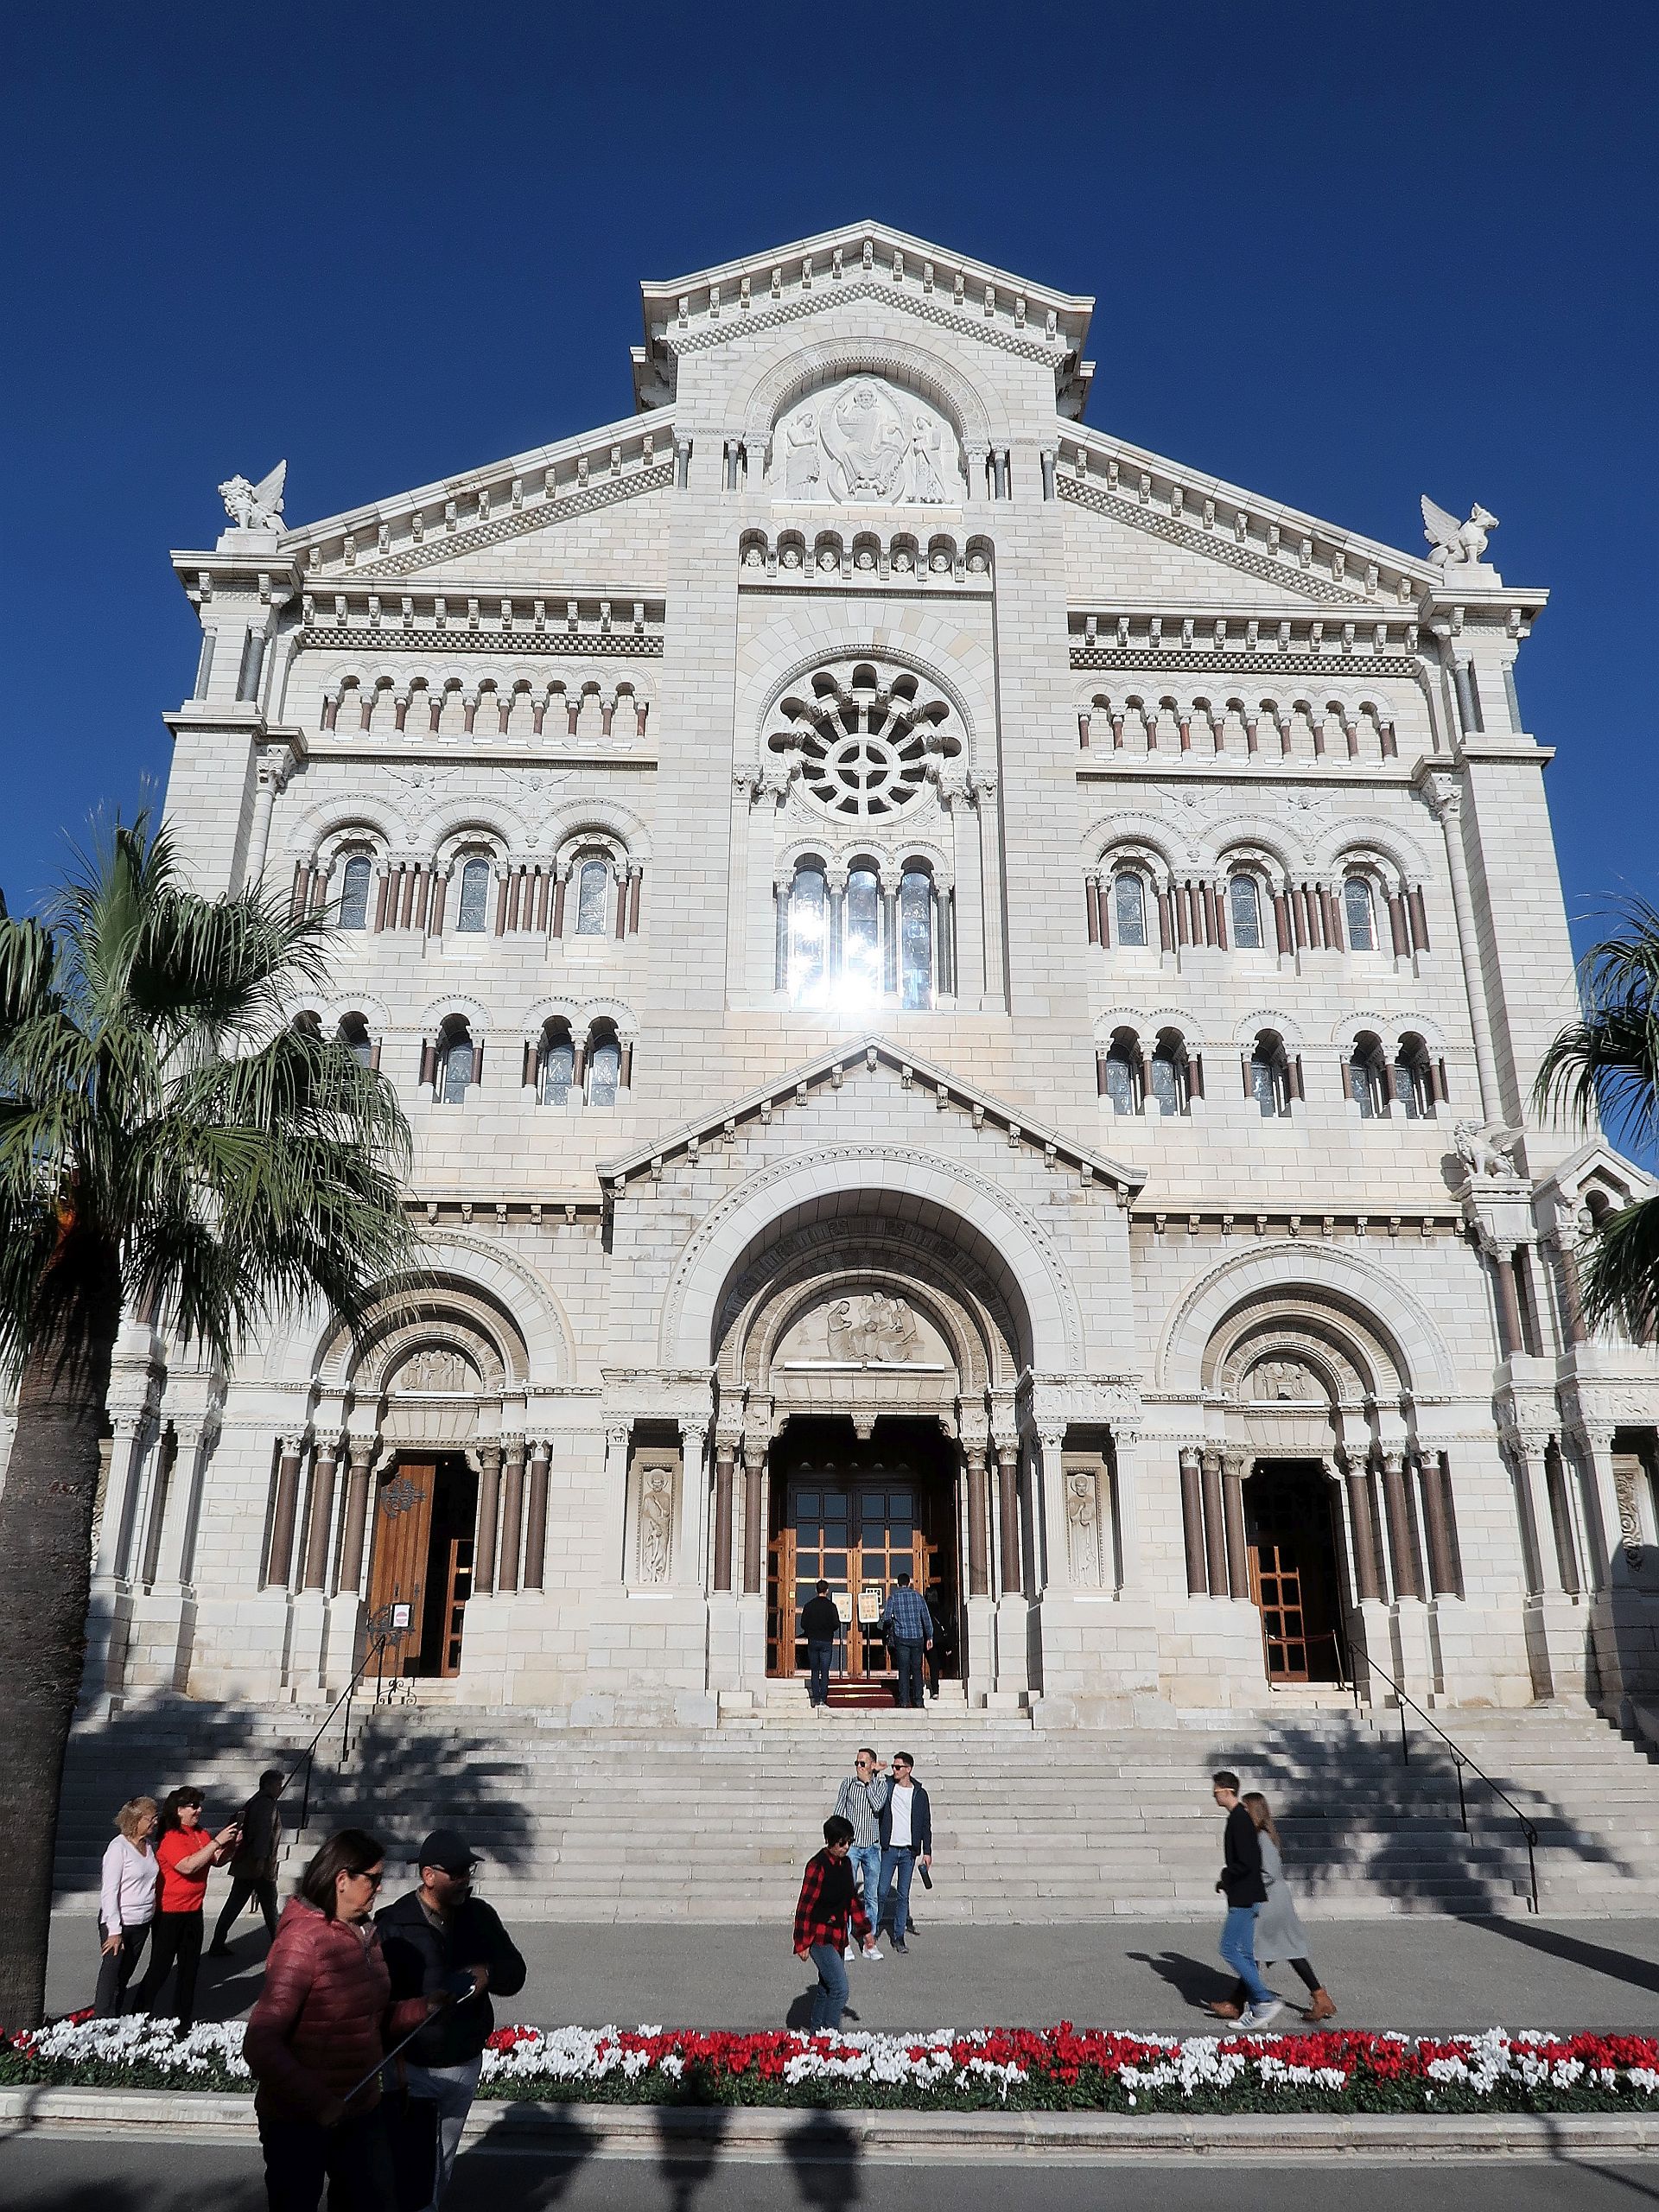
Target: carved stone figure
column 926, row 483
column 256, row 506
column 1485, row 1146
column 1284, row 1381
column 438, row 1368
column 656, row 1524
column 801, row 456
column 1456, row 544
column 872, row 1327
column 864, row 442
column 1083, row 1526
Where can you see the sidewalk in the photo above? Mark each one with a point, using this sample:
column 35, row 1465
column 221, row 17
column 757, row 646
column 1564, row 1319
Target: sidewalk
column 1417, row 1973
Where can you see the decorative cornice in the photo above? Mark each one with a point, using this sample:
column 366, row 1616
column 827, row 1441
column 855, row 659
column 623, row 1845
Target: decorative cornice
column 1209, row 545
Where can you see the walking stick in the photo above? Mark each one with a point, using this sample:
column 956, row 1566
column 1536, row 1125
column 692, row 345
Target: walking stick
column 450, row 1999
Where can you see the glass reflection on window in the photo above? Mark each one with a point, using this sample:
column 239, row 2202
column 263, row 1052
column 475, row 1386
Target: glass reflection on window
column 916, row 939
column 592, row 886
column 809, row 936
column 861, row 956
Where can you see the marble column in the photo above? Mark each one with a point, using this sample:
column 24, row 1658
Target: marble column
column 349, row 1575
column 694, row 1486
column 489, row 1508
column 1403, row 1552
column 280, row 1563
column 1008, row 1493
column 512, row 1516
column 319, row 1521
column 1198, row 1577
column 1362, row 1523
column 1050, row 1506
column 725, row 1469
column 535, row 1531
column 617, row 1435
column 1233, row 1464
column 1215, row 1532
column 754, row 1517
column 1126, row 1498
column 978, row 1530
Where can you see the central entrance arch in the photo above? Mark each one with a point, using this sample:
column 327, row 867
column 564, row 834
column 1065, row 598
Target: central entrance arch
column 856, row 1513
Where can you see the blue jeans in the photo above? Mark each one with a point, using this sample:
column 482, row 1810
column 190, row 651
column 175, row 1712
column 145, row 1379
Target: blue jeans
column 865, row 1859
column 1238, row 1948
column 818, row 1656
column 899, row 1860
column 910, row 1673
column 830, row 1998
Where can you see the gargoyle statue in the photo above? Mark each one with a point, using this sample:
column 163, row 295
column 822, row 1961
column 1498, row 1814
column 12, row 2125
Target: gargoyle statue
column 256, row 506
column 1485, row 1146
column 1456, row 544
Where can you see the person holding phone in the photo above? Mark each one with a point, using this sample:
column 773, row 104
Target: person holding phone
column 185, row 1856
column 439, row 1940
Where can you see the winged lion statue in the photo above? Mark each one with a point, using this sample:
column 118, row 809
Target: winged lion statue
column 256, row 506
column 1456, row 544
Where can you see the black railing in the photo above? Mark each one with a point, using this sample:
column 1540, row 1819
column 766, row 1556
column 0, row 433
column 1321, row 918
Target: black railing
column 376, row 1653
column 1460, row 1759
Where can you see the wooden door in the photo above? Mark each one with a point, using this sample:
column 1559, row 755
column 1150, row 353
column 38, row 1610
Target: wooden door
column 1276, row 1587
column 458, row 1589
column 403, row 1536
column 857, row 1536
column 1293, row 1563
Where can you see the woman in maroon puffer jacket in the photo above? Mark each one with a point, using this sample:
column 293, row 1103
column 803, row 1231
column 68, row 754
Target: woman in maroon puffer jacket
column 323, row 2021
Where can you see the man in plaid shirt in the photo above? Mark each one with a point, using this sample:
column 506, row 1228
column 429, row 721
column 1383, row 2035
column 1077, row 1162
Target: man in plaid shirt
column 829, row 1901
column 906, row 1619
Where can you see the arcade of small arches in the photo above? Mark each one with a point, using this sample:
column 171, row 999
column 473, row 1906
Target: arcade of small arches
column 1141, row 724
column 865, row 557
column 1251, row 903
column 580, row 711
column 866, row 933
column 1162, row 1073
column 591, row 887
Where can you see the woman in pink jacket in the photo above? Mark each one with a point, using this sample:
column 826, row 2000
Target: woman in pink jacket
column 322, row 2023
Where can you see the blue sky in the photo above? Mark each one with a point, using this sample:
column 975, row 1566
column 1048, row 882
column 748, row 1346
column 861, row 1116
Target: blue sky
column 1343, row 256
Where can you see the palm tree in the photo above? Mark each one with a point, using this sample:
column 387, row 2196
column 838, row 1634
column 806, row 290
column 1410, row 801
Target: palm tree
column 168, row 1145
column 1606, row 1067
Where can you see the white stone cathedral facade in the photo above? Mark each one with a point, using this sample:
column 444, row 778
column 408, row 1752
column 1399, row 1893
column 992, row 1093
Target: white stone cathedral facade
column 936, row 961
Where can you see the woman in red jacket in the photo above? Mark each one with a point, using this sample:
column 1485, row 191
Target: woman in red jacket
column 322, row 2023
column 185, row 1854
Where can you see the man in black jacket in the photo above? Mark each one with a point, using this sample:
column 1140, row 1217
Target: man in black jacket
column 1242, row 1884
column 436, row 1940
column 253, row 1863
column 820, row 1625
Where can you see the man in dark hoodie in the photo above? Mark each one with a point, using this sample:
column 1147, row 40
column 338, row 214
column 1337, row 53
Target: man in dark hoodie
column 1242, row 1884
column 438, row 1939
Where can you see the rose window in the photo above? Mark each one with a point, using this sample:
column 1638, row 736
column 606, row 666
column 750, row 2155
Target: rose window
column 863, row 745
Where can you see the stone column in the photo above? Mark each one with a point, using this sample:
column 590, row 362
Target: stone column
column 536, row 1531
column 1008, row 1493
column 725, row 1469
column 1198, row 1578
column 349, row 1575
column 489, row 1508
column 1437, row 1518
column 1526, row 1449
column 1408, row 1581
column 272, row 773
column 1232, row 1498
column 1604, row 1519
column 1215, row 1533
column 753, row 1518
column 978, row 1530
column 319, row 1521
column 1050, row 1507
column 1126, row 1498
column 279, row 1565
column 694, row 1486
column 1508, row 1303
column 512, row 1515
column 1368, row 1588
column 992, row 879
column 110, row 1600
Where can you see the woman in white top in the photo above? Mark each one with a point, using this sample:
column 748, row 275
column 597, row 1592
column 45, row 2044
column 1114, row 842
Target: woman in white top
column 126, row 1903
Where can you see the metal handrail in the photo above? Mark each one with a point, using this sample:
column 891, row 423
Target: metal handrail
column 308, row 1757
column 1460, row 1759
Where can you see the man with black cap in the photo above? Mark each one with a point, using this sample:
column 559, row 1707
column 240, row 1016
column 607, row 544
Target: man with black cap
column 441, row 1940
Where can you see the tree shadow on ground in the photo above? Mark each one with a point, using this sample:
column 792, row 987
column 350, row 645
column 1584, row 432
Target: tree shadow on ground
column 526, row 2159
column 823, row 2155
column 1346, row 1809
column 1617, row 1966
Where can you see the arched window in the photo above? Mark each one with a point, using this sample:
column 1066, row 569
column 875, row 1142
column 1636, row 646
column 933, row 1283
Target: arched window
column 860, row 953
column 915, row 938
column 474, row 911
column 1123, row 1072
column 1368, row 1082
column 307, row 1025
column 593, row 898
column 1129, row 906
column 355, row 878
column 1360, row 914
column 353, row 1034
column 603, row 1065
column 1269, row 1077
column 457, row 1062
column 1413, row 1080
column 556, row 1071
column 809, row 935
column 1171, row 1073
column 1244, row 912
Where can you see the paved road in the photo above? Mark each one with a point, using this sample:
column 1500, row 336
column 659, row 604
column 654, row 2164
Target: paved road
column 44, row 2174
column 1411, row 1973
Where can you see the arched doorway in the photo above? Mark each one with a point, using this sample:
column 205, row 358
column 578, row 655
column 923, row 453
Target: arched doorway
column 420, row 1562
column 1295, row 1551
column 856, row 1513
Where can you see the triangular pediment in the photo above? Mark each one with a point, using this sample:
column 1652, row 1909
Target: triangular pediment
column 851, row 1062
column 862, row 261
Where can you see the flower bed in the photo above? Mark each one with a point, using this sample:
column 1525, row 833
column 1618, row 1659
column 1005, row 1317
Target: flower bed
column 1059, row 2068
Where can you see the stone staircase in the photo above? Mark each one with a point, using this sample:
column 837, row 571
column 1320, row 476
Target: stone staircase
column 635, row 1824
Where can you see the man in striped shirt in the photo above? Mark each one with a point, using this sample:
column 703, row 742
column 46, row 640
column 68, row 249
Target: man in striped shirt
column 906, row 1619
column 862, row 1795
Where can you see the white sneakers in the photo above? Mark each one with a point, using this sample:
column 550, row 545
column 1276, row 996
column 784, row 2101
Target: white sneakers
column 1260, row 2016
column 873, row 1954
column 851, row 1951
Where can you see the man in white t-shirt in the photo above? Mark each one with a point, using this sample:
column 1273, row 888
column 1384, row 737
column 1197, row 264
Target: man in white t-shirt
column 906, row 1836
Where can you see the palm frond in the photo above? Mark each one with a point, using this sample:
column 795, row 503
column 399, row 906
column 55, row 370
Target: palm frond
column 1620, row 1271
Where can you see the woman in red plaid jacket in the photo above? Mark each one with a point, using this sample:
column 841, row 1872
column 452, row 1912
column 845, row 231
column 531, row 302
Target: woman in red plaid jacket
column 829, row 1899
